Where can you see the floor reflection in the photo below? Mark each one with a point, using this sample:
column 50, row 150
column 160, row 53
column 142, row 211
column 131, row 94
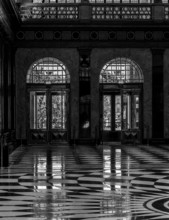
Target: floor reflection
column 49, row 171
column 118, row 184
column 115, row 202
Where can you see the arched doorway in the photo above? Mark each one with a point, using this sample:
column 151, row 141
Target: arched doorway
column 121, row 82
column 48, row 101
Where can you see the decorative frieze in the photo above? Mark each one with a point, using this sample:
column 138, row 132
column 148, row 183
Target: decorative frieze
column 93, row 35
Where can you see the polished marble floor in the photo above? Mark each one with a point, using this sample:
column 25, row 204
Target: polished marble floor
column 109, row 182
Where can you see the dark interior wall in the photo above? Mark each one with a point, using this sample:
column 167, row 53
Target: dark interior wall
column 143, row 57
column 1, row 86
column 10, row 84
column 166, row 93
column 6, row 76
column 7, row 95
column 157, row 94
column 24, row 59
column 98, row 58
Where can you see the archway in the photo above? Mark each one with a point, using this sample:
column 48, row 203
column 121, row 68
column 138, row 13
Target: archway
column 121, row 81
column 48, row 101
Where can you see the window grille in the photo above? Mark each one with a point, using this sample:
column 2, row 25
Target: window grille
column 48, row 71
column 121, row 70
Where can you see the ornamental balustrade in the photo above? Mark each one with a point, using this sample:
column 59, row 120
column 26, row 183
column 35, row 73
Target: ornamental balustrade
column 166, row 12
column 49, row 11
column 95, row 10
column 117, row 12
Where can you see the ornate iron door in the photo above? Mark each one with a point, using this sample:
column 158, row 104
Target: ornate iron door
column 122, row 115
column 48, row 113
column 58, row 116
column 131, row 116
column 111, row 116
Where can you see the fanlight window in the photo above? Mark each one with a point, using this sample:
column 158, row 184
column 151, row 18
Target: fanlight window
column 48, row 71
column 121, row 70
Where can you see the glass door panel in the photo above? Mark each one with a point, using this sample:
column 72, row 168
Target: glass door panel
column 130, row 111
column 126, row 111
column 38, row 119
column 111, row 116
column 131, row 117
column 118, row 112
column 38, row 113
column 58, row 116
column 136, row 114
column 107, row 116
column 59, row 111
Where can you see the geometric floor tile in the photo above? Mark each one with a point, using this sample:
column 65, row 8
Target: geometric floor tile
column 107, row 182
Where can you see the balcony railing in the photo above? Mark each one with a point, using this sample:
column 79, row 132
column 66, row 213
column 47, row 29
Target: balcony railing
column 95, row 11
column 49, row 11
column 89, row 1
column 166, row 12
column 118, row 12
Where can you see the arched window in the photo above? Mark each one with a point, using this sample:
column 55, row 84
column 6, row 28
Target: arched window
column 48, row 71
column 121, row 70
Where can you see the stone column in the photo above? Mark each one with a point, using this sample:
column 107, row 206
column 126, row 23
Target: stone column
column 85, row 11
column 158, row 13
column 84, row 94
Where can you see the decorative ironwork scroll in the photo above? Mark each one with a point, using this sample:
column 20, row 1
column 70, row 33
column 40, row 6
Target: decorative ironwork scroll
column 107, row 113
column 59, row 110
column 118, row 113
column 38, row 115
